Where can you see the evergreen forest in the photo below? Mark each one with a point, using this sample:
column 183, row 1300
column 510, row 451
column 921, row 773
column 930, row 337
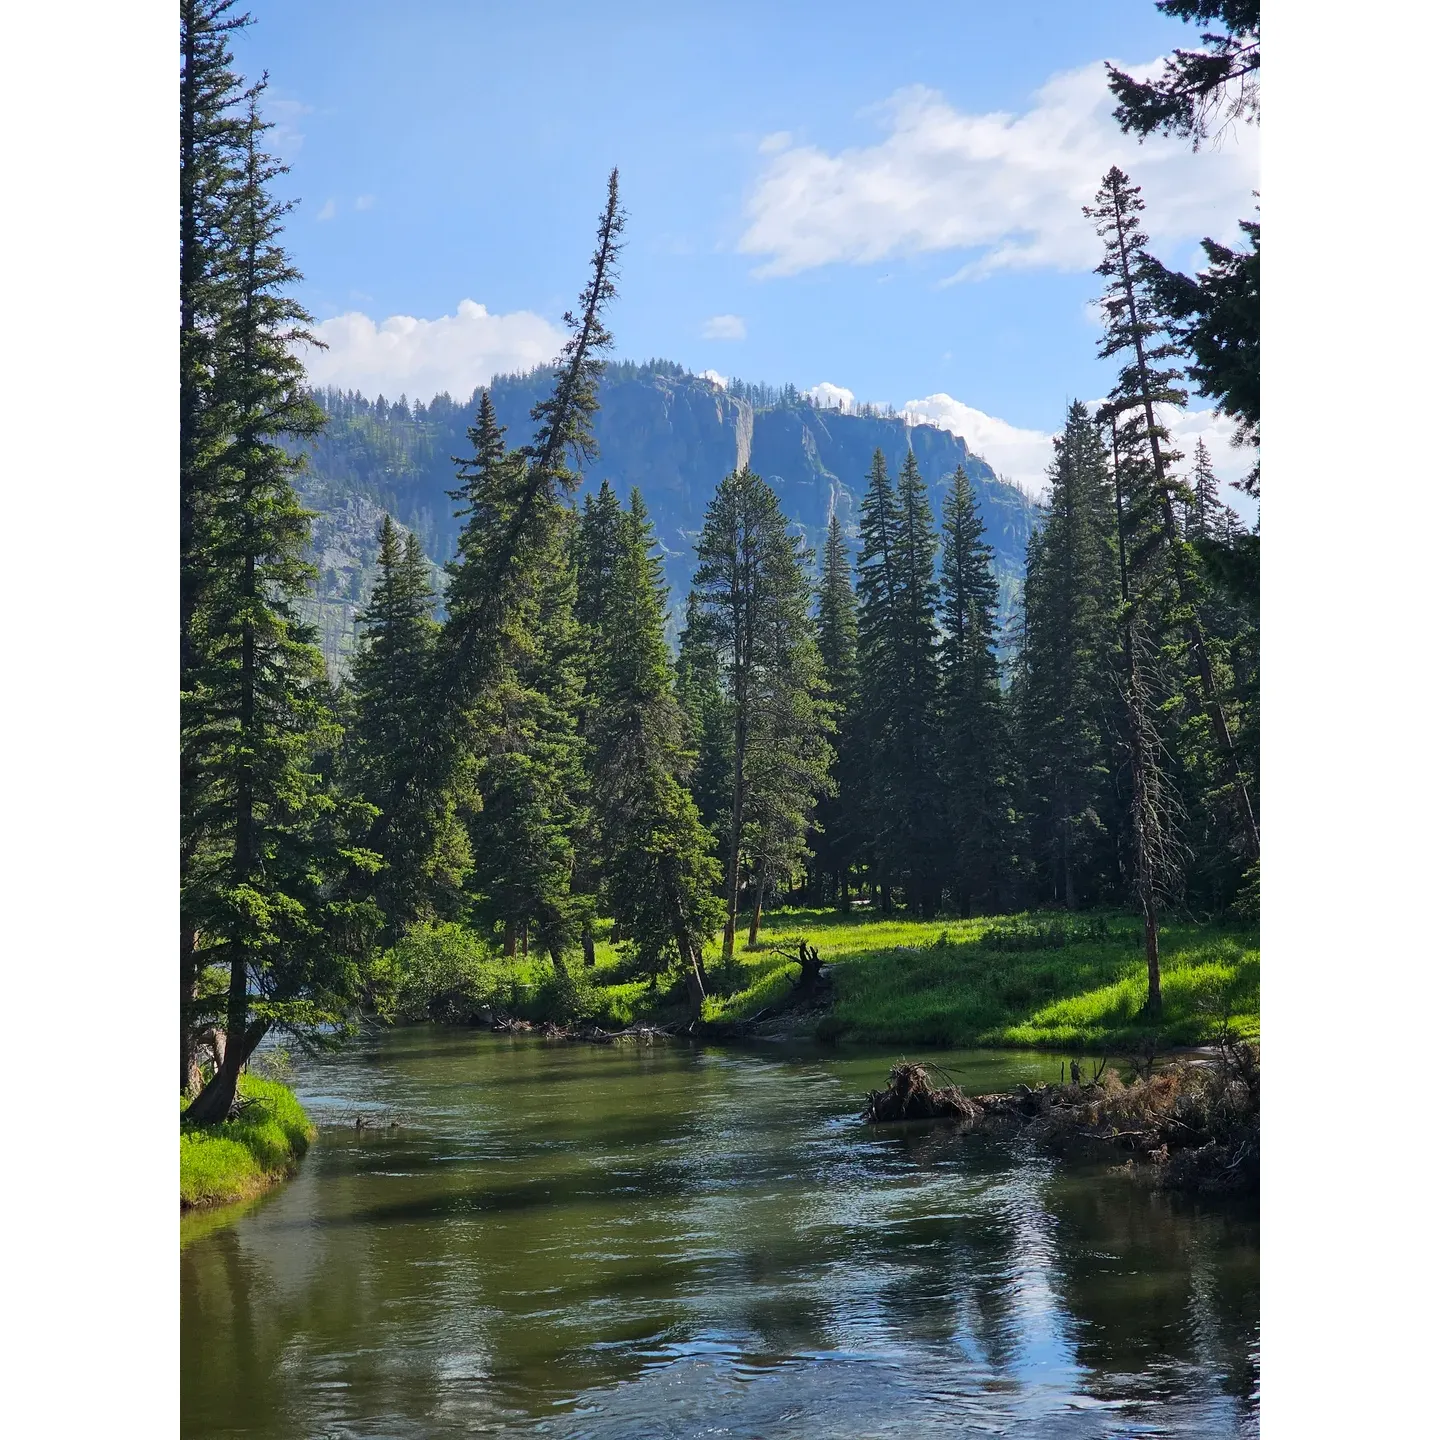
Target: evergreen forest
column 540, row 748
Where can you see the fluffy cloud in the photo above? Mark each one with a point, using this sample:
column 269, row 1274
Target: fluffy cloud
column 1024, row 455
column 423, row 357
column 831, row 397
column 1008, row 187
column 715, row 378
column 1016, row 454
column 723, row 327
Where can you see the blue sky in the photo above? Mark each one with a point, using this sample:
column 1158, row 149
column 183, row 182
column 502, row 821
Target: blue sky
column 885, row 200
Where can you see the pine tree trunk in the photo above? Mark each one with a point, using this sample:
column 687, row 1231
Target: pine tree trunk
column 1152, row 960
column 510, row 938
column 187, row 1006
column 525, row 940
column 215, row 1102
column 587, row 943
column 732, row 879
column 755, row 913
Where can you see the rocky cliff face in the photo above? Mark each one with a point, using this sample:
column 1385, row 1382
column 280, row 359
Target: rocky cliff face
column 672, row 434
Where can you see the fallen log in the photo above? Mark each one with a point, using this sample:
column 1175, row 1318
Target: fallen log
column 1197, row 1125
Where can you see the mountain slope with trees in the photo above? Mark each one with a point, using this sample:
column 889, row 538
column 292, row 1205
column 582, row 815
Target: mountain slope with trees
column 660, row 430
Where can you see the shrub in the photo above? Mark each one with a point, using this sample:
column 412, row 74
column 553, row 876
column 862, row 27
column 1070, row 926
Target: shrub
column 445, row 972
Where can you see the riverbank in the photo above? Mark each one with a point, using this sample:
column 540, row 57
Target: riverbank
column 1193, row 1125
column 220, row 1164
column 1043, row 981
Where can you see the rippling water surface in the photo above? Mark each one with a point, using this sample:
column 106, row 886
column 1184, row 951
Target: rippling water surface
column 574, row 1240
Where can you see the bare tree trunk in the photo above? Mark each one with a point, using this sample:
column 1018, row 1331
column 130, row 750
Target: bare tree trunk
column 510, row 938
column 587, row 942
column 525, row 940
column 755, row 913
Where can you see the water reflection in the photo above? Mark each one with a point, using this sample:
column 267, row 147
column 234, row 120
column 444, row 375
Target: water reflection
column 577, row 1241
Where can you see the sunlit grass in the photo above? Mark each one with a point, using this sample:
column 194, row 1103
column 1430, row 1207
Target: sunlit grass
column 1025, row 980
column 1038, row 979
column 239, row 1158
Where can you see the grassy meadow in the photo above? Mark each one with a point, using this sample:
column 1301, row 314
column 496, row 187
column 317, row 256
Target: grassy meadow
column 242, row 1157
column 1043, row 980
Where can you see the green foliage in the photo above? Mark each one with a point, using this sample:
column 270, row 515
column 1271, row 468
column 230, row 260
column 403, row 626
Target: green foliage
column 839, row 823
column 273, row 867
column 426, row 851
column 1065, row 698
column 1197, row 86
column 443, row 971
column 750, row 610
column 656, row 864
column 1216, row 317
column 974, row 724
column 238, row 1158
column 898, row 719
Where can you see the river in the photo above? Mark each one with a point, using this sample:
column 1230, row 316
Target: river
column 635, row 1241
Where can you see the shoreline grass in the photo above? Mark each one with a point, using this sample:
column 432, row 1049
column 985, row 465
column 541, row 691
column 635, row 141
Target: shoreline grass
column 1038, row 980
column 240, row 1158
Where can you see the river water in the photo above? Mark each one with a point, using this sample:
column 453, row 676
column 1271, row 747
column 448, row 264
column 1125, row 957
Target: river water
column 629, row 1241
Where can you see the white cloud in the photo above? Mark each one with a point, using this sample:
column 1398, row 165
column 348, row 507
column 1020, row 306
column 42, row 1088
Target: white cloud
column 715, row 378
column 327, row 211
column 1018, row 455
column 423, row 357
column 1024, row 455
column 1230, row 462
column 1009, row 187
column 285, row 137
column 364, row 202
column 773, row 144
column 831, row 397
column 723, row 327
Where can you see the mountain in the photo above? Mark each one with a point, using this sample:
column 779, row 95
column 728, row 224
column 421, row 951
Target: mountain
column 673, row 434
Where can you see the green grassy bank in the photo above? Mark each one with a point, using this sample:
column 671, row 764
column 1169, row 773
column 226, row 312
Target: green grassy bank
column 1045, row 980
column 242, row 1157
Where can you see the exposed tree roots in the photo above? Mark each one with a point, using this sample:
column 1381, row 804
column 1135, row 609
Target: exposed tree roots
column 1192, row 1125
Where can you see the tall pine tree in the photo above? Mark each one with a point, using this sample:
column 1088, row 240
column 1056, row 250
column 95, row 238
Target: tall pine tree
column 899, row 684
column 972, row 714
column 1065, row 696
column 272, row 884
column 837, row 819
column 751, row 611
column 658, row 869
column 426, row 854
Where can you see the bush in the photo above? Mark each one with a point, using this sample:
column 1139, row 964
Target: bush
column 568, row 998
column 445, row 972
